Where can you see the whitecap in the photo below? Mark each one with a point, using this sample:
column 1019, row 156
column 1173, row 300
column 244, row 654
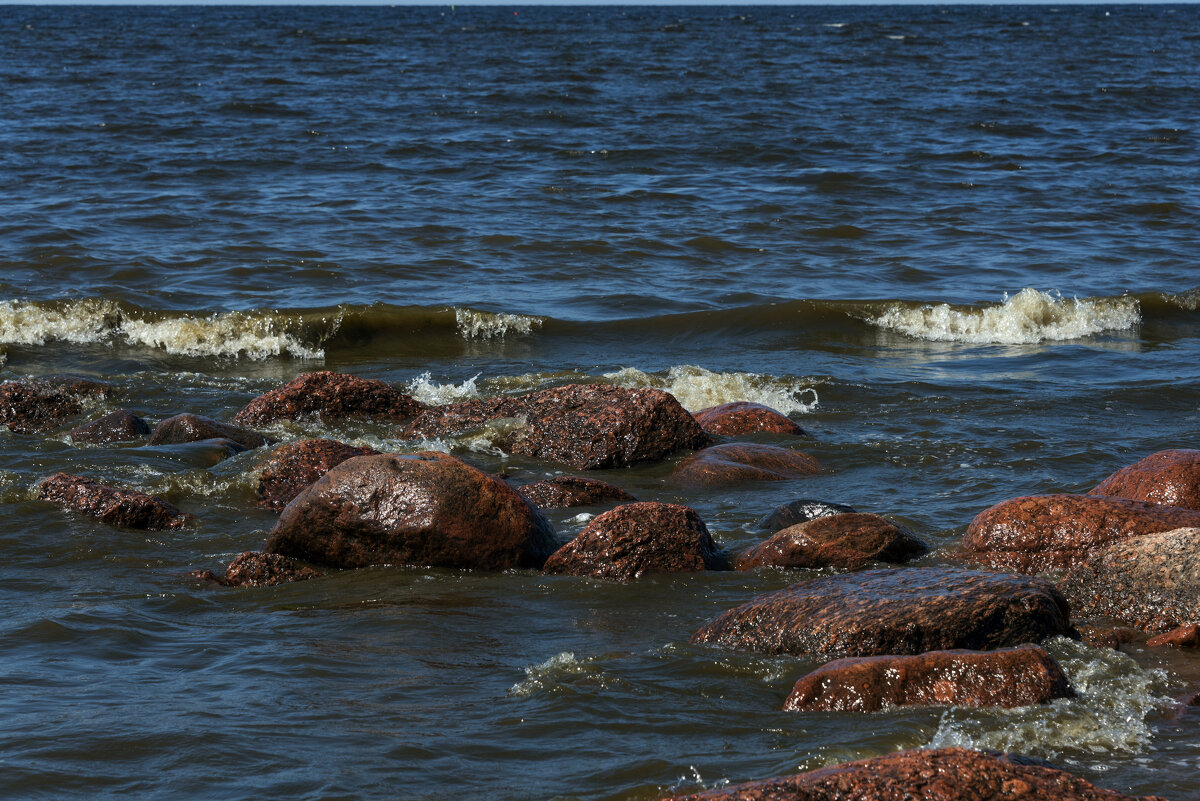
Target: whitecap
column 698, row 388
column 488, row 325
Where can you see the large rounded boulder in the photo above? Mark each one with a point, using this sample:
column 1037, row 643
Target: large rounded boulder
column 332, row 396
column 736, row 462
column 119, row 426
column 1169, row 477
column 189, row 427
column 294, row 467
column 848, row 541
column 744, row 417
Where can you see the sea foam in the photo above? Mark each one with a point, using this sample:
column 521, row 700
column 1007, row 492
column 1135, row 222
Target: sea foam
column 488, row 325
column 697, row 388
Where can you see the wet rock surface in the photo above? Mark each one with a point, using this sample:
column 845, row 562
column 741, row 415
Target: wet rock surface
column 626, row 542
column 945, row 774
column 119, row 426
column 743, row 417
column 895, row 611
column 1008, row 677
column 253, row 569
column 333, row 396
column 292, row 468
column 36, row 405
column 1182, row 637
column 562, row 492
column 1170, row 477
column 1036, row 533
column 586, row 426
column 111, row 505
column 801, row 511
column 194, row 428
column 850, row 541
column 736, row 462
column 420, row 509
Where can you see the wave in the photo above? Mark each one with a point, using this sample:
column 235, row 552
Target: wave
column 697, row 388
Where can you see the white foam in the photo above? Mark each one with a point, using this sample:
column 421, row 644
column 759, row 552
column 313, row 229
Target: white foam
column 487, row 325
column 543, row 676
column 697, row 388
column 89, row 320
column 426, row 390
column 1028, row 317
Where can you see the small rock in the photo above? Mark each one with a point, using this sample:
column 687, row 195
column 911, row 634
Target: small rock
column 1169, row 477
column 35, row 405
column 1108, row 636
column 118, row 426
column 789, row 514
column 1182, row 637
column 251, row 569
column 848, row 541
column 194, row 428
column 743, row 461
column 563, row 492
column 292, row 468
column 116, row 507
column 742, row 417
column 332, row 396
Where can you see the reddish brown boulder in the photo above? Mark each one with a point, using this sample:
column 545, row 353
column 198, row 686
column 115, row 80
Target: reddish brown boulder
column 742, row 417
column 118, row 426
column 194, row 428
column 743, row 461
column 789, row 514
column 907, row 611
column 1169, row 477
column 1008, row 677
column 116, row 507
column 420, row 509
column 35, row 405
column 292, row 468
column 624, row 543
column 1037, row 533
column 251, row 569
column 563, row 492
column 945, row 774
column 333, row 396
column 586, row 426
column 849, row 541
column 1183, row 637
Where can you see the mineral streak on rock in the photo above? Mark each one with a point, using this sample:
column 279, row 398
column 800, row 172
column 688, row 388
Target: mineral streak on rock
column 801, row 511
column 119, row 426
column 1170, row 477
column 194, row 428
column 562, row 492
column 35, row 405
column 332, row 396
column 848, row 541
column 736, row 462
column 116, row 507
column 743, row 417
column 292, row 468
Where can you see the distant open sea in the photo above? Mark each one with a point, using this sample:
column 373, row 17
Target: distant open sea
column 957, row 244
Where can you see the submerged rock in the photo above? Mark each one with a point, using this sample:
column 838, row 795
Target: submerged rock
column 119, row 426
column 849, row 541
column 111, row 505
column 35, row 405
column 1169, row 477
column 332, row 396
column 194, row 428
column 563, row 492
column 801, row 511
column 743, row 417
column 735, row 462
column 292, row 468
column 252, row 569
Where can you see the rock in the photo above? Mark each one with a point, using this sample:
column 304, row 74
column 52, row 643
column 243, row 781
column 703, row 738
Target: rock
column 194, row 428
column 1182, row 637
column 563, row 492
column 1037, row 533
column 743, row 461
column 252, row 569
column 1168, row 477
column 1151, row 582
column 848, row 541
column 789, row 514
column 586, row 426
column 907, row 611
column 742, row 417
column 295, row 466
column 944, row 774
column 116, row 507
column 420, row 509
column 1008, row 677
column 1108, row 636
column 35, row 405
column 332, row 396
column 624, row 543
column 118, row 426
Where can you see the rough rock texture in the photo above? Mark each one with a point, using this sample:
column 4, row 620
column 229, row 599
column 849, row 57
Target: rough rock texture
column 420, row 509
column 624, row 543
column 119, row 426
column 742, row 417
column 1169, row 477
column 1152, row 581
column 562, row 492
column 1183, row 637
column 789, row 514
column 849, row 541
column 252, row 569
column 292, row 468
column 116, row 507
column 193, row 428
column 945, row 774
column 904, row 611
column 1036, row 533
column 586, row 426
column 40, row 404
column 1008, row 677
column 333, row 396
column 743, row 461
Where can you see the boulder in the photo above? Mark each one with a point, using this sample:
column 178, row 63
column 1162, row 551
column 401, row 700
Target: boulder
column 586, row 426
column 292, row 468
column 908, row 611
column 252, row 569
column 736, row 462
column 562, row 492
column 194, row 428
column 849, row 541
column 119, row 426
column 742, row 417
column 35, row 405
column 801, row 511
column 624, row 543
column 416, row 509
column 331, row 396
column 1182, row 637
column 1036, row 533
column 1008, row 677
column 111, row 505
column 1168, row 477
column 944, row 774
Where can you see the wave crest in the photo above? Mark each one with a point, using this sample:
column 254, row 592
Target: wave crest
column 697, row 388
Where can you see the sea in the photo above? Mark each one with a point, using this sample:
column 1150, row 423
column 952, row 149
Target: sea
column 957, row 244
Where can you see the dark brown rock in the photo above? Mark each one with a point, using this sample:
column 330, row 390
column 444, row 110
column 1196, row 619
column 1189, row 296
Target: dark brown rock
column 1168, row 477
column 116, row 507
column 742, row 417
column 563, row 492
column 624, row 543
column 252, row 569
column 420, row 509
column 1036, row 533
column 35, row 405
column 945, row 774
column 1008, row 677
column 849, row 541
column 292, row 468
column 194, row 428
column 735, row 462
column 1182, row 637
column 1108, row 636
column 119, row 426
column 789, row 514
column 586, row 426
column 332, row 396
column 907, row 611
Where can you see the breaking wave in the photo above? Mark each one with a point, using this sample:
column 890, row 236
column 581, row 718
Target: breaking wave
column 697, row 388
